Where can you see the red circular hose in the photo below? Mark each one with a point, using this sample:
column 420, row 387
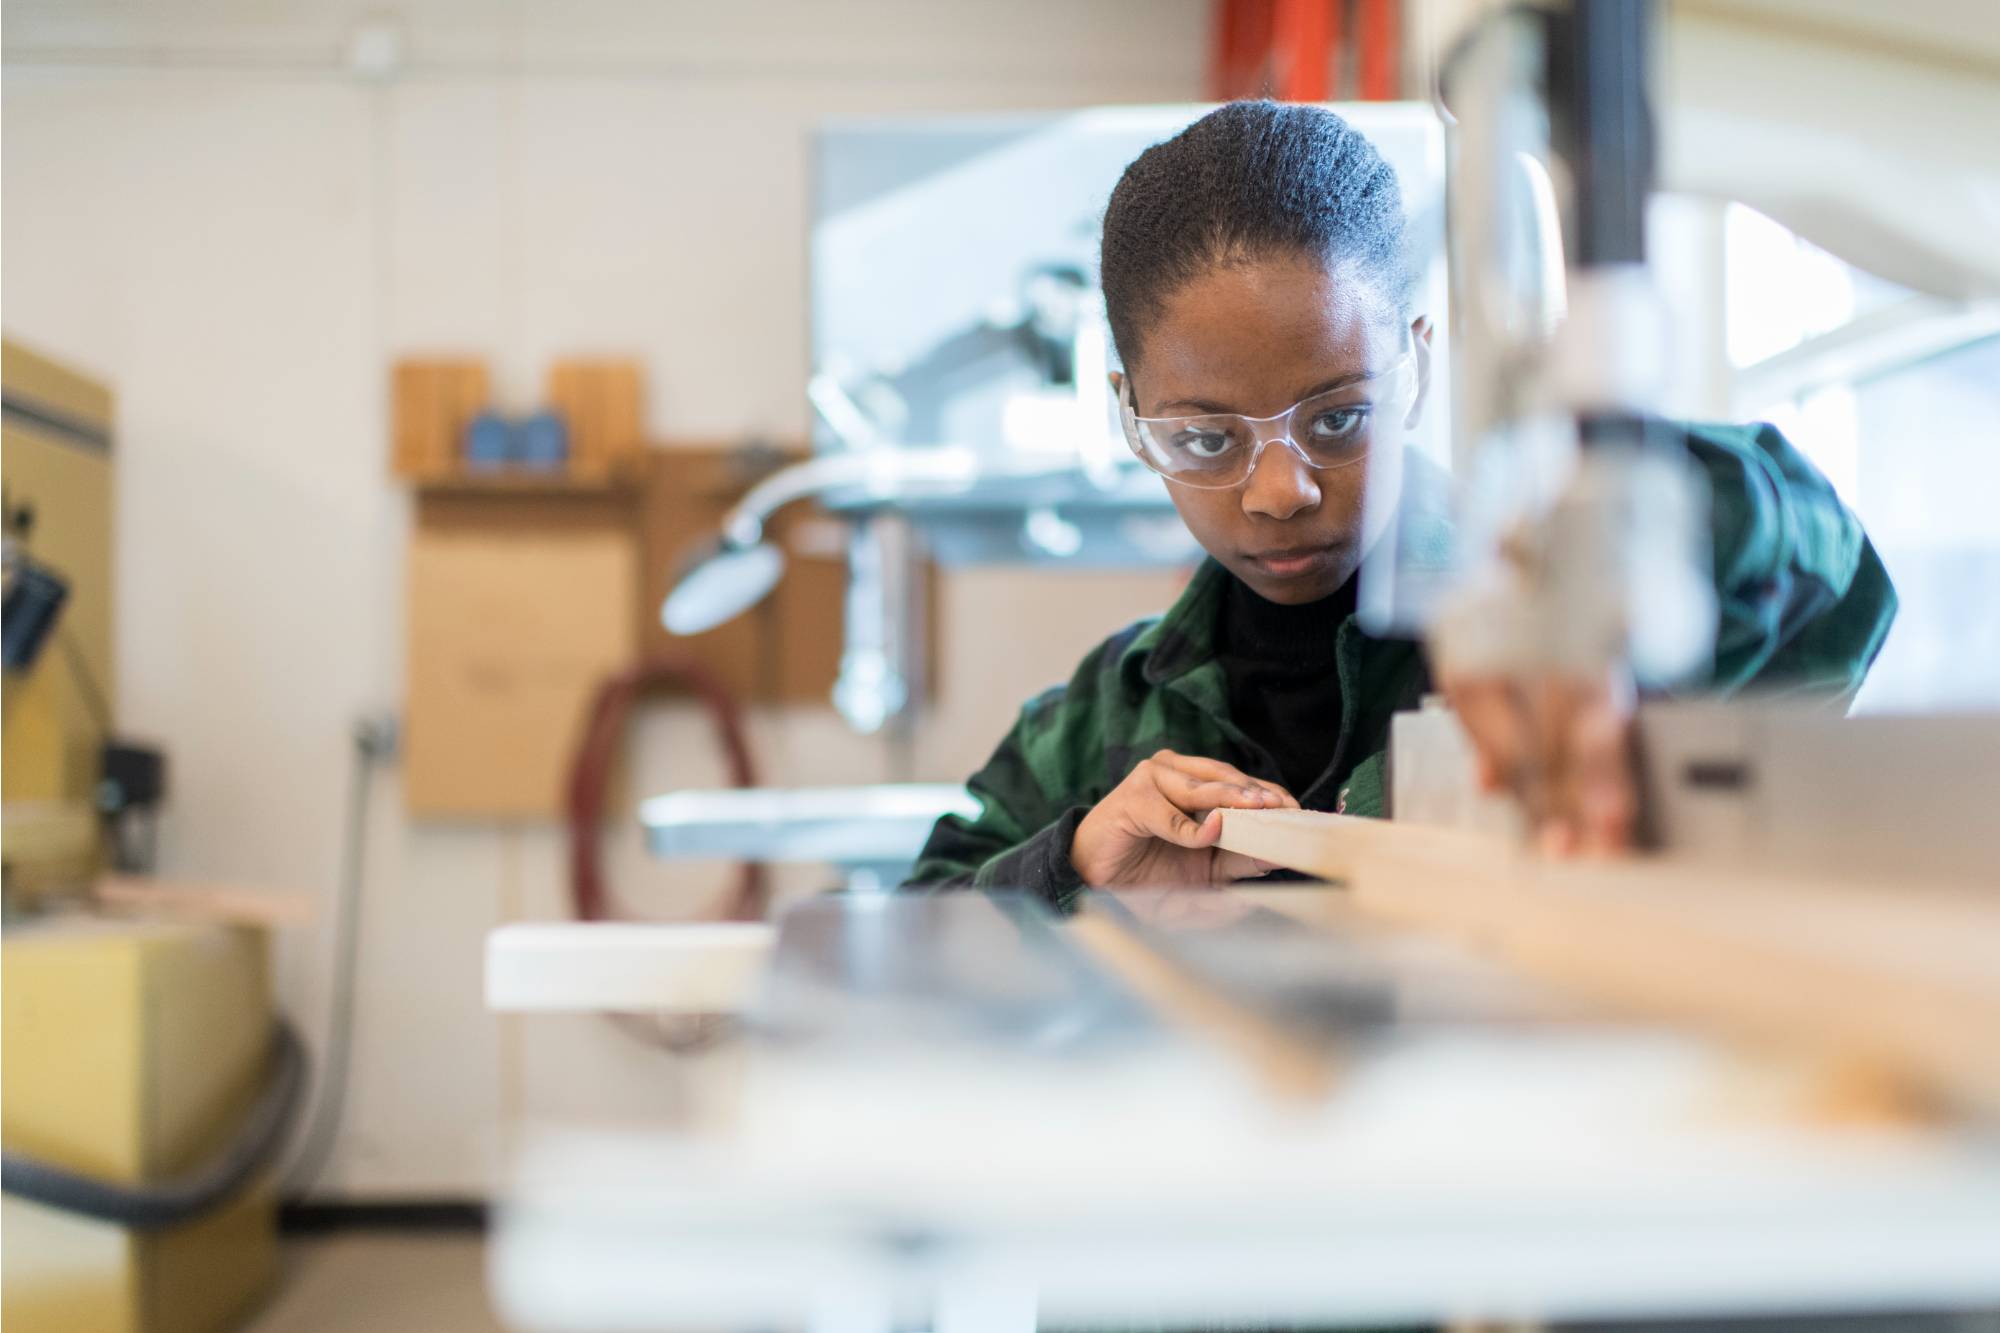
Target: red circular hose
column 590, row 775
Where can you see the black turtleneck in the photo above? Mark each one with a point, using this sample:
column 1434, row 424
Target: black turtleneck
column 1284, row 691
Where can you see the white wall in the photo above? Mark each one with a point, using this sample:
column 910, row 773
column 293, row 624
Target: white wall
column 203, row 205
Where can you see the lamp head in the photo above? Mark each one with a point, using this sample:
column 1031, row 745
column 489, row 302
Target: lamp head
column 721, row 584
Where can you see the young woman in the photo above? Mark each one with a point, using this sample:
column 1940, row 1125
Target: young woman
column 1254, row 278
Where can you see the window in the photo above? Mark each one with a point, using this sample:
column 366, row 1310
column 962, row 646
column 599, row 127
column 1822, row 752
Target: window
column 1896, row 398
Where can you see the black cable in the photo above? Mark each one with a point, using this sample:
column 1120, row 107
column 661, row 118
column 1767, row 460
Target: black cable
column 93, row 697
column 270, row 1120
column 149, row 1207
column 371, row 742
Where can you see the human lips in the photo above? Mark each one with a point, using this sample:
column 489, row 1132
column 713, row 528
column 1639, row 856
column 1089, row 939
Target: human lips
column 1292, row 561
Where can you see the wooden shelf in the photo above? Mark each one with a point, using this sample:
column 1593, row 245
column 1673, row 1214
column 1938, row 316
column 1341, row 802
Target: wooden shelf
column 521, row 482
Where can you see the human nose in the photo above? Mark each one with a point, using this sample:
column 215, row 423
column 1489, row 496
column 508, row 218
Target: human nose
column 1280, row 484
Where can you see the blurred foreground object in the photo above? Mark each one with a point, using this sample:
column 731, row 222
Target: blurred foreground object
column 1583, row 536
column 969, row 1107
column 1752, row 1075
column 1769, row 915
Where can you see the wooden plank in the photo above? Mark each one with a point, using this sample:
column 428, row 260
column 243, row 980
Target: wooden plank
column 433, row 402
column 1905, row 978
column 230, row 904
column 623, row 409
column 406, row 388
column 1290, row 1068
column 471, row 393
column 518, row 606
column 707, row 967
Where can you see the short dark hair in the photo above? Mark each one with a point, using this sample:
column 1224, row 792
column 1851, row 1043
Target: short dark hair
column 1248, row 180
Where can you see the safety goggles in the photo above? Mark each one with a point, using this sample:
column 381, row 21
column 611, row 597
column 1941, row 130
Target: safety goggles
column 1221, row 450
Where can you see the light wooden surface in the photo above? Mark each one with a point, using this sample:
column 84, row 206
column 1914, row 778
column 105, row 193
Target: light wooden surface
column 516, row 608
column 608, row 966
column 1289, row 1068
column 1900, row 978
column 230, row 904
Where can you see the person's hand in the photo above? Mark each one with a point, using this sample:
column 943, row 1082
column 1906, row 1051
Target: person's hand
column 1160, row 824
column 1564, row 747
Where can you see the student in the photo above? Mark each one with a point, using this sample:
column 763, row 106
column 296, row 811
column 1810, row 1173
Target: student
column 1253, row 265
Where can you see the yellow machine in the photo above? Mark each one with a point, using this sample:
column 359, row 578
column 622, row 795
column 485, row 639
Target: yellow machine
column 135, row 1050
column 59, row 706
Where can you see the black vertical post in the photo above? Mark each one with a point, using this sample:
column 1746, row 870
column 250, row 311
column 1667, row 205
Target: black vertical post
column 1611, row 129
column 1601, row 125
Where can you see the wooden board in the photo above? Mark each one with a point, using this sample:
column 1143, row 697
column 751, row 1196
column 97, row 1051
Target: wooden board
column 518, row 607
column 602, row 405
column 1288, row 1067
column 227, row 904
column 706, row 967
column 434, row 400
column 1904, row 977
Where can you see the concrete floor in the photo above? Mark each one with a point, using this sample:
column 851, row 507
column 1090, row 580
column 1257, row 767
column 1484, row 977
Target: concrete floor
column 381, row 1283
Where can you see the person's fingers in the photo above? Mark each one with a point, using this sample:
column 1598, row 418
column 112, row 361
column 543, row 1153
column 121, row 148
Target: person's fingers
column 1214, row 770
column 1604, row 828
column 1197, row 794
column 1578, row 783
column 1602, row 787
column 1157, row 817
column 1550, row 706
column 1562, row 746
column 1490, row 713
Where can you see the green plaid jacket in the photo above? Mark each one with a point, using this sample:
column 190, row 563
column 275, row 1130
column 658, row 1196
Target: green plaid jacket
column 1805, row 605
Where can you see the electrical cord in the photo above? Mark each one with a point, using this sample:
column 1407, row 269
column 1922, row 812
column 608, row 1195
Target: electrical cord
column 373, row 741
column 590, row 778
column 86, row 683
column 150, row 1207
column 589, row 781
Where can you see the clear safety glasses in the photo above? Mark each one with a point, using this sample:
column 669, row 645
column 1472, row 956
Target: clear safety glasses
column 1327, row 430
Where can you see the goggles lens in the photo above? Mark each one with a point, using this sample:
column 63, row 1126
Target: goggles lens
column 1328, row 430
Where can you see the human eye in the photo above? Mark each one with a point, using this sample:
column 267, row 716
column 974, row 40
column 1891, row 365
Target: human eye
column 1339, row 423
column 1200, row 443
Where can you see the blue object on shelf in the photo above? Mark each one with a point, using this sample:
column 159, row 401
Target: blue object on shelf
column 541, row 441
column 489, row 442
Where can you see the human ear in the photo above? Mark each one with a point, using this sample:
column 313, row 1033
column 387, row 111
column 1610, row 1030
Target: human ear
column 1420, row 348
